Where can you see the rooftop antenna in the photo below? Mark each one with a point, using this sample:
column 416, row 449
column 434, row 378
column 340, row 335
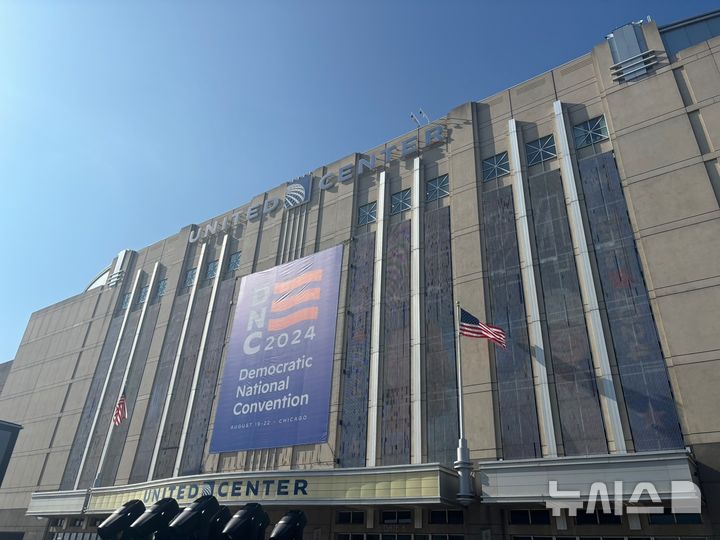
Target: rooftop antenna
column 422, row 113
column 414, row 118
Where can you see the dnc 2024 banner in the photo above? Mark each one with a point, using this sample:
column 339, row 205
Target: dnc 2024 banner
column 275, row 389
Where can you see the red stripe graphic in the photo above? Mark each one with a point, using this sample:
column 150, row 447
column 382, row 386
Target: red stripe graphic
column 287, row 302
column 307, row 277
column 305, row 314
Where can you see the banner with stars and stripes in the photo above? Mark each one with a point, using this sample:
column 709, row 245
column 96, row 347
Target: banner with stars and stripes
column 275, row 389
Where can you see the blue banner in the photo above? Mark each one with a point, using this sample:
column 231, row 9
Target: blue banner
column 275, row 388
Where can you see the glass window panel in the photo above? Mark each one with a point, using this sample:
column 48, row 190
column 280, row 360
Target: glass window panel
column 234, row 262
column 439, row 537
column 688, row 519
column 342, row 517
column 401, row 201
column 540, row 517
column 456, row 537
column 592, row 131
column 372, row 537
column 125, row 301
column 367, row 213
column 496, row 166
column 404, row 516
column 540, row 150
column 162, row 287
column 190, row 277
column 437, row 188
column 519, row 517
column 357, row 537
column 608, row 519
column 212, row 269
column 342, row 536
column 388, row 517
column 142, row 297
column 661, row 519
column 437, row 517
column 404, row 537
column 583, row 518
column 358, row 518
column 455, row 517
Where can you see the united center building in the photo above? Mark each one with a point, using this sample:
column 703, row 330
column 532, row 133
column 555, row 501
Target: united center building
column 299, row 350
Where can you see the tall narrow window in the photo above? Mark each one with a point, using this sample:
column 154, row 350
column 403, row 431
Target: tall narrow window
column 125, row 301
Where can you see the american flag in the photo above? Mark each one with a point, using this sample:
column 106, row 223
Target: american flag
column 120, row 412
column 471, row 326
column 293, row 300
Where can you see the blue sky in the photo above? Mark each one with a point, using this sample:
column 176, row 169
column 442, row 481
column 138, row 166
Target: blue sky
column 121, row 122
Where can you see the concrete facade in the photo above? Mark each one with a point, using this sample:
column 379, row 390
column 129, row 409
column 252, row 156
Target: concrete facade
column 662, row 134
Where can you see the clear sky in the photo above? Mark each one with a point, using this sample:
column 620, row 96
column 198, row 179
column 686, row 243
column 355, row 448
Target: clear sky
column 122, row 122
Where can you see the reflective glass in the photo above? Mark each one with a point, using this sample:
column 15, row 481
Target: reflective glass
column 125, row 301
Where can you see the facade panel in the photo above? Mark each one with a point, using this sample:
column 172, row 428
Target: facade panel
column 516, row 392
column 643, row 373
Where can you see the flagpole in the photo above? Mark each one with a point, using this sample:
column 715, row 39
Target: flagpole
column 463, row 465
